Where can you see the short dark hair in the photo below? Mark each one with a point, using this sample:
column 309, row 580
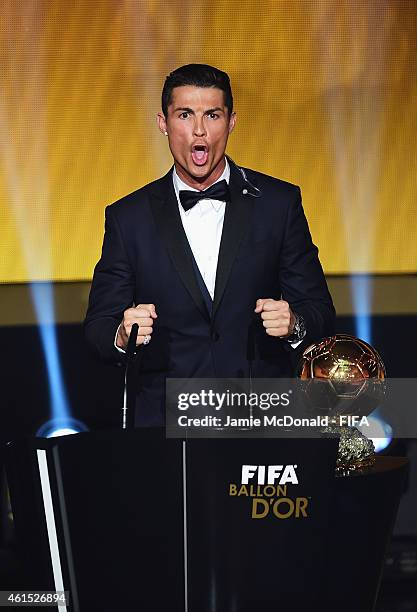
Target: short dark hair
column 199, row 75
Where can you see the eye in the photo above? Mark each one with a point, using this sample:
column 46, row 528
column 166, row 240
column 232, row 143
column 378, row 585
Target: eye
column 213, row 115
column 184, row 115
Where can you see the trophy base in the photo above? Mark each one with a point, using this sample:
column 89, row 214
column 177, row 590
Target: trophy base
column 356, row 452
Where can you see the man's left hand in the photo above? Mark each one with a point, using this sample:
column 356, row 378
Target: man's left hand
column 278, row 318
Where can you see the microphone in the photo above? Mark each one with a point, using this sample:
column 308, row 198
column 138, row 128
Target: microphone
column 131, row 344
column 252, row 190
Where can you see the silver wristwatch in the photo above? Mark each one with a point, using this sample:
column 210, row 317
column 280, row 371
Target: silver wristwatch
column 299, row 330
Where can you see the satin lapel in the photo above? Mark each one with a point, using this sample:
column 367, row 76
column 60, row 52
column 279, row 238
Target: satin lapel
column 168, row 221
column 236, row 224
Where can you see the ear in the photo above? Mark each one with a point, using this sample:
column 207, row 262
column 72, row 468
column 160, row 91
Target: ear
column 162, row 124
column 232, row 121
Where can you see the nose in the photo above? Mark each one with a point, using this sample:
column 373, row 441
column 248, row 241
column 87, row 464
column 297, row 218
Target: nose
column 199, row 127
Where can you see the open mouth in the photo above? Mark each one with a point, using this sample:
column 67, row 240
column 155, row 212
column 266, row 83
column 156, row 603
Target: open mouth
column 199, row 153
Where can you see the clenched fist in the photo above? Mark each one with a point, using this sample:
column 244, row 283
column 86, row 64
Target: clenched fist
column 278, row 318
column 143, row 315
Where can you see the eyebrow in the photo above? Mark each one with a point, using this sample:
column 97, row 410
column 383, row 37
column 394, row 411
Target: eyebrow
column 190, row 110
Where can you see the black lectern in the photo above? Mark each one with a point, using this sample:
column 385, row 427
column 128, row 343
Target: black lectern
column 128, row 520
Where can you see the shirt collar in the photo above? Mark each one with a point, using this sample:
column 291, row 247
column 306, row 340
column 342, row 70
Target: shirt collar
column 179, row 185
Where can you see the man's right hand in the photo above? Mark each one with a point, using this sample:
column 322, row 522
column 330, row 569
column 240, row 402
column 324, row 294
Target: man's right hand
column 143, row 315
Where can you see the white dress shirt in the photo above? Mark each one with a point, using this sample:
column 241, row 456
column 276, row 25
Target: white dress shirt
column 203, row 225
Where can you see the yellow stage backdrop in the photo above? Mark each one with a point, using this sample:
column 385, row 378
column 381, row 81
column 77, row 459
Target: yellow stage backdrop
column 326, row 96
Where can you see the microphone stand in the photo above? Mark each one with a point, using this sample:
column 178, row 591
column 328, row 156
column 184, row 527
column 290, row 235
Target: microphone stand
column 250, row 352
column 129, row 394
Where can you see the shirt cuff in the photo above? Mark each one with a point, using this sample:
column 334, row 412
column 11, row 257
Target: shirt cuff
column 293, row 344
column 115, row 339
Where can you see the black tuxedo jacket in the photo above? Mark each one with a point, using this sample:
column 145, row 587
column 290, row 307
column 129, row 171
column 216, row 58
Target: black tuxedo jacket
column 266, row 251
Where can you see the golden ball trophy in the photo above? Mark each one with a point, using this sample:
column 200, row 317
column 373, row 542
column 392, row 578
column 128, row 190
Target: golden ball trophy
column 343, row 376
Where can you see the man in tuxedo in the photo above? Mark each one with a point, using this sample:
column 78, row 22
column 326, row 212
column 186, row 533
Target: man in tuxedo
column 214, row 262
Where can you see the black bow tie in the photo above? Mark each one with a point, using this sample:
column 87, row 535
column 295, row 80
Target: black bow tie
column 218, row 191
